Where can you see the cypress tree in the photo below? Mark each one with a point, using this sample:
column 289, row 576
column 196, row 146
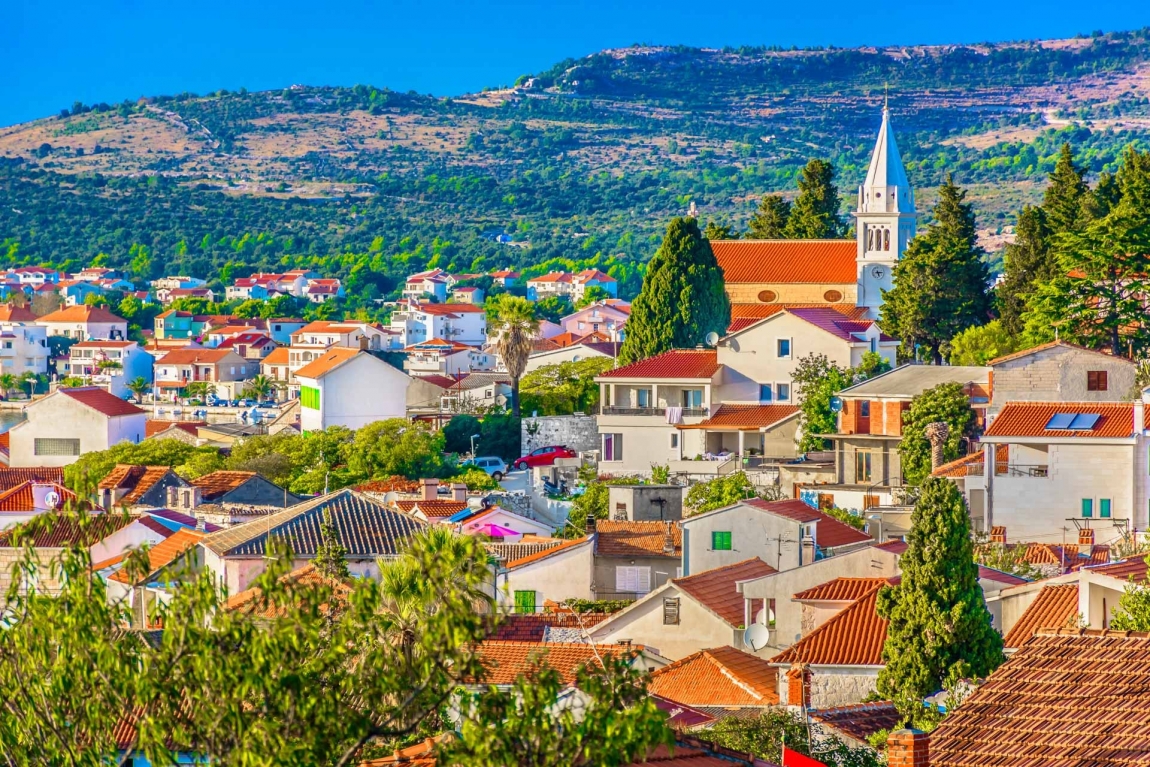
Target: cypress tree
column 682, row 299
column 940, row 283
column 1029, row 262
column 770, row 221
column 1066, row 194
column 717, row 231
column 940, row 629
column 330, row 557
column 815, row 214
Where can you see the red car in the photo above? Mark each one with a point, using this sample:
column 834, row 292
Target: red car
column 544, row 456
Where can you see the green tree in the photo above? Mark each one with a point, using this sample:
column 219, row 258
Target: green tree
column 139, row 386
column 979, row 344
column 765, row 735
column 716, row 231
column 770, row 220
column 719, row 492
column 591, row 294
column 8, row 384
column 815, row 213
column 565, row 387
column 553, row 308
column 682, row 299
column 1065, row 195
column 817, row 380
column 1029, row 261
column 516, row 326
column 331, row 555
column 91, row 467
column 199, row 389
column 259, row 387
column 940, row 283
column 499, row 434
column 946, row 403
column 939, row 628
column 1133, row 610
column 397, row 446
column 458, row 432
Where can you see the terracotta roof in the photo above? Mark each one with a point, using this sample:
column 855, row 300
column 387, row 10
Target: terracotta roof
column 1044, row 347
column 137, row 479
column 101, row 401
column 437, row 508
column 677, row 363
column 853, row 637
column 1029, row 419
column 10, row 313
column 1055, row 607
column 829, row 534
column 1125, row 569
column 327, row 362
column 787, row 261
column 532, row 627
column 102, row 345
column 504, row 662
column 5, row 443
column 840, row 590
column 22, row 497
column 745, row 417
column 152, row 428
column 637, row 539
column 367, row 529
column 161, row 555
column 717, row 590
column 194, row 356
column 1064, row 698
column 1069, row 557
column 448, row 308
column 10, row 478
column 722, row 676
column 961, row 467
column 860, row 720
column 82, row 314
column 680, row 716
column 279, row 356
column 548, row 552
column 422, row 754
column 389, row 484
column 439, row 345
column 54, row 531
column 248, row 602
column 219, row 483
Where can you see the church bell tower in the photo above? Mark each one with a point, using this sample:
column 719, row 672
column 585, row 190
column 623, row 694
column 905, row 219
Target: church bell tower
column 885, row 220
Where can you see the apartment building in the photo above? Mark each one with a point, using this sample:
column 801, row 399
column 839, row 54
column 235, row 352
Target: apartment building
column 416, row 323
column 84, row 323
column 110, row 364
column 23, row 348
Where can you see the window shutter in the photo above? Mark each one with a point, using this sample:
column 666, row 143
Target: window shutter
column 624, row 579
column 643, row 580
column 618, row 447
column 671, row 611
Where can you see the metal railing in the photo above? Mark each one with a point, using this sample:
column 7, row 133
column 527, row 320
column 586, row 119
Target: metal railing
column 687, row 411
column 1021, row 470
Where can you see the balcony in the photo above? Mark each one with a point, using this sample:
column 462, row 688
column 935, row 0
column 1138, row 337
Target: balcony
column 688, row 412
column 1021, row 470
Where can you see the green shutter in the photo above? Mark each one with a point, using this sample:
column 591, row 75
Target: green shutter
column 309, row 397
column 1104, row 508
column 524, row 602
column 721, row 541
column 1087, row 507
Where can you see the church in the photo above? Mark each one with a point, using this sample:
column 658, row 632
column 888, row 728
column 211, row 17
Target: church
column 763, row 277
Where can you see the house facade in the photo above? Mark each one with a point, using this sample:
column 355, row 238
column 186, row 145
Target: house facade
column 69, row 422
column 352, row 388
column 110, row 364
column 84, row 323
column 417, row 323
column 23, row 348
column 222, row 368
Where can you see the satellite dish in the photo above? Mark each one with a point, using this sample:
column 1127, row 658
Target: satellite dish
column 756, row 636
column 51, row 499
column 836, row 404
column 712, row 338
column 390, row 498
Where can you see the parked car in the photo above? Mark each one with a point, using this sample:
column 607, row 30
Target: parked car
column 544, row 456
column 492, row 464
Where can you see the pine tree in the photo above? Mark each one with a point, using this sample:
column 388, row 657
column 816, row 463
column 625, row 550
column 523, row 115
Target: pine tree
column 815, row 214
column 1063, row 202
column 940, row 283
column 940, row 630
column 1029, row 261
column 682, row 299
column 770, row 221
column 331, row 556
column 717, row 231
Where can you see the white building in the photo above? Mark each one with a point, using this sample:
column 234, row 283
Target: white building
column 85, row 323
column 69, row 422
column 350, row 387
column 23, row 348
column 419, row 322
column 110, row 364
column 433, row 283
column 449, row 358
column 311, row 341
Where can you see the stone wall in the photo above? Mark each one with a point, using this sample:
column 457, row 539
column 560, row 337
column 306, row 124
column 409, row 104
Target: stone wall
column 578, row 432
column 45, row 581
column 841, row 688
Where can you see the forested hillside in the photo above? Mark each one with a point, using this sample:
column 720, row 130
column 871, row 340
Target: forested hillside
column 582, row 164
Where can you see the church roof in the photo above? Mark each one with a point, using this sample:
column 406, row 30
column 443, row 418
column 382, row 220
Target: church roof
column 787, row 261
column 886, row 170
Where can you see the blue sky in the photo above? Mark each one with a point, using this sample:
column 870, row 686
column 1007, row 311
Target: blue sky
column 108, row 50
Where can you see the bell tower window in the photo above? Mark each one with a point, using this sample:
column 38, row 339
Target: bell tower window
column 886, row 239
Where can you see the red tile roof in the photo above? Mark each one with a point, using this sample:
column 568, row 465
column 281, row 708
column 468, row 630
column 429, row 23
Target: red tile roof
column 279, row 356
column 101, row 401
column 972, row 462
column 1125, row 569
column 834, row 323
column 840, row 590
column 161, row 555
column 432, row 509
column 1064, row 698
column 1044, row 347
column 1029, row 419
column 717, row 589
column 449, row 308
column 787, row 261
column 745, row 417
column 678, row 363
column 248, row 602
column 390, row 484
column 327, row 362
column 218, row 483
column 637, row 539
column 861, row 720
column 829, row 534
column 10, row 313
column 53, row 531
column 152, row 428
column 722, row 676
column 22, row 497
column 194, row 356
column 10, row 478
column 82, row 314
column 539, row 555
column 504, row 662
column 138, row 480
column 532, row 627
column 1055, row 607
column 853, row 637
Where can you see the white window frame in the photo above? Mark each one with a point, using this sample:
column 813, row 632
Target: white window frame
column 778, row 396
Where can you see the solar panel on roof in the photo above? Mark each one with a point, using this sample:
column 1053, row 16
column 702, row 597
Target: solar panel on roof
column 1085, row 421
column 1061, row 420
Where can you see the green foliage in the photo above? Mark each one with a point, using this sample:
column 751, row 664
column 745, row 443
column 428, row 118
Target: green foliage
column 591, row 294
column 660, row 474
column 815, row 212
column 719, row 492
column 397, row 447
column 842, row 515
column 770, row 220
column 331, row 555
column 947, row 403
column 598, row 605
column 1028, row 263
column 499, row 434
column 940, row 282
column 187, row 460
column 817, row 381
column 716, row 231
column 940, row 630
column 554, row 308
column 592, row 502
column 565, row 387
column 682, row 299
column 303, row 463
column 765, row 735
column 1133, row 610
column 1065, row 196
column 458, row 432
column 979, row 344
column 476, row 479
column 516, row 322
column 1008, row 559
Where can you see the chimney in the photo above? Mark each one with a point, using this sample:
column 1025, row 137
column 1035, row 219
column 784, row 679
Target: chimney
column 908, row 748
column 1085, row 542
column 459, row 492
column 590, row 526
column 668, row 538
column 998, row 534
column 799, row 686
column 201, row 525
column 430, row 489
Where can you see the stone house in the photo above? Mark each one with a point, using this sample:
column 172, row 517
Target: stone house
column 1060, row 372
column 634, row 558
column 233, row 496
column 128, row 486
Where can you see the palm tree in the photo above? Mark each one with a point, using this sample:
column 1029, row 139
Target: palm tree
column 516, row 325
column 138, row 386
column 199, row 389
column 8, row 382
column 259, row 387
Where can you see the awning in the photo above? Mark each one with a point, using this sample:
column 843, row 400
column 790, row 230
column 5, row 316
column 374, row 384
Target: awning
column 745, row 418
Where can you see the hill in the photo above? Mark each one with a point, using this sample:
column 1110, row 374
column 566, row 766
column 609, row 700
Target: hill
column 582, row 163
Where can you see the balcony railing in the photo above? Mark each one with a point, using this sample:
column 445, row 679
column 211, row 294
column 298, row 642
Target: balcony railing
column 687, row 411
column 1021, row 470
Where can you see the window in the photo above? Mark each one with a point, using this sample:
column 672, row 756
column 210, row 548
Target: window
column 1087, row 508
column 524, row 602
column 862, row 466
column 671, row 611
column 784, row 347
column 632, row 580
column 55, row 446
column 783, row 392
column 309, row 397
column 612, row 447
column 693, row 398
column 674, row 440
column 766, row 393
column 644, row 397
column 1104, row 508
column 1096, row 380
column 720, row 541
column 874, row 346
column 864, row 408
